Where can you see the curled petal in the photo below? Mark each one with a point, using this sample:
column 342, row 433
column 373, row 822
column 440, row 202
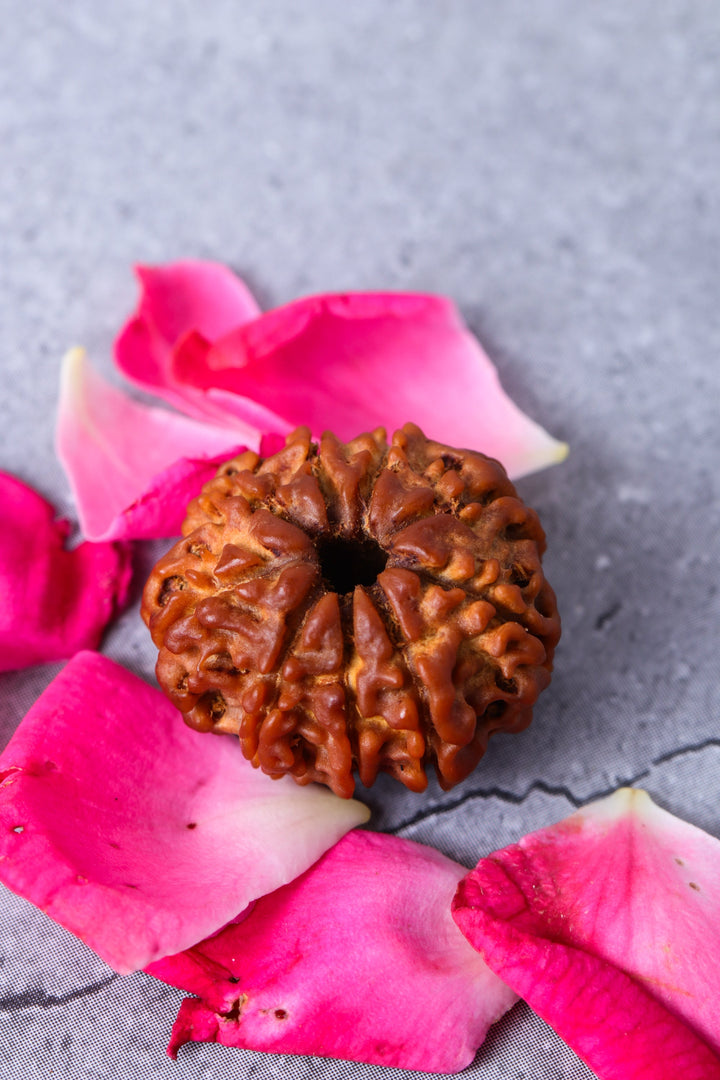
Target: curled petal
column 358, row 958
column 354, row 362
column 53, row 602
column 137, row 834
column 607, row 924
column 133, row 468
column 175, row 299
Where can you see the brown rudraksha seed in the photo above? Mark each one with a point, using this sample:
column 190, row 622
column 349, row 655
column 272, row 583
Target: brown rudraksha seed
column 358, row 606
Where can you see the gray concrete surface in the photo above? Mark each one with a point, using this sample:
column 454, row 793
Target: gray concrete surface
column 553, row 167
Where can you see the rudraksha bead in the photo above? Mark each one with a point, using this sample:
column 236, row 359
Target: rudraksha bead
column 356, row 607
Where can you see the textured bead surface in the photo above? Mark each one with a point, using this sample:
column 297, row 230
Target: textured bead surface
column 356, row 607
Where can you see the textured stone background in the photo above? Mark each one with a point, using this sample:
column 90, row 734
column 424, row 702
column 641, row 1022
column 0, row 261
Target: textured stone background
column 552, row 166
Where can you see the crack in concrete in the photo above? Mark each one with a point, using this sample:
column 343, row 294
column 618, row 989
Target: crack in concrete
column 37, row 999
column 691, row 748
column 607, row 616
column 515, row 799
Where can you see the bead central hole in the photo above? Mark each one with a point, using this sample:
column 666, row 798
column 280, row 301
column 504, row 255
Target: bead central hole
column 347, row 563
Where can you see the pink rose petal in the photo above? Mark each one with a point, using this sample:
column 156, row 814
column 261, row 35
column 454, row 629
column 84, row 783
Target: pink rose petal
column 358, row 958
column 133, row 468
column 137, row 834
column 174, row 299
column 608, row 924
column 53, row 602
column 160, row 510
column 353, row 362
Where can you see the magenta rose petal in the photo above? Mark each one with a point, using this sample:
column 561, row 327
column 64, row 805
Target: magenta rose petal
column 53, row 601
column 358, row 959
column 160, row 510
column 354, row 362
column 175, row 299
column 133, row 468
column 608, row 925
column 138, row 834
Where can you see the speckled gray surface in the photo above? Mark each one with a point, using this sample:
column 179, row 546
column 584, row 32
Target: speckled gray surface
column 553, row 167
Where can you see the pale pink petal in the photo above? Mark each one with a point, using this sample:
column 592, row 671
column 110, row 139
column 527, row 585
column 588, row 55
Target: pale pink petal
column 608, row 924
column 53, row 602
column 358, row 959
column 138, row 834
column 174, row 299
column 133, row 468
column 353, row 362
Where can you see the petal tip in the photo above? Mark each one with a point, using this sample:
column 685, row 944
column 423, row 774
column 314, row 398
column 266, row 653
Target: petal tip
column 71, row 366
column 626, row 800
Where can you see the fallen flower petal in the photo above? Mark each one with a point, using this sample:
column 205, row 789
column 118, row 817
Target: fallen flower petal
column 174, row 299
column 359, row 959
column 350, row 362
column 357, row 361
column 53, row 602
column 133, row 468
column 137, row 834
column 607, row 924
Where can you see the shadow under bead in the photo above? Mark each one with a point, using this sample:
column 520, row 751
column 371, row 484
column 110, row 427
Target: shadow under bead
column 356, row 607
